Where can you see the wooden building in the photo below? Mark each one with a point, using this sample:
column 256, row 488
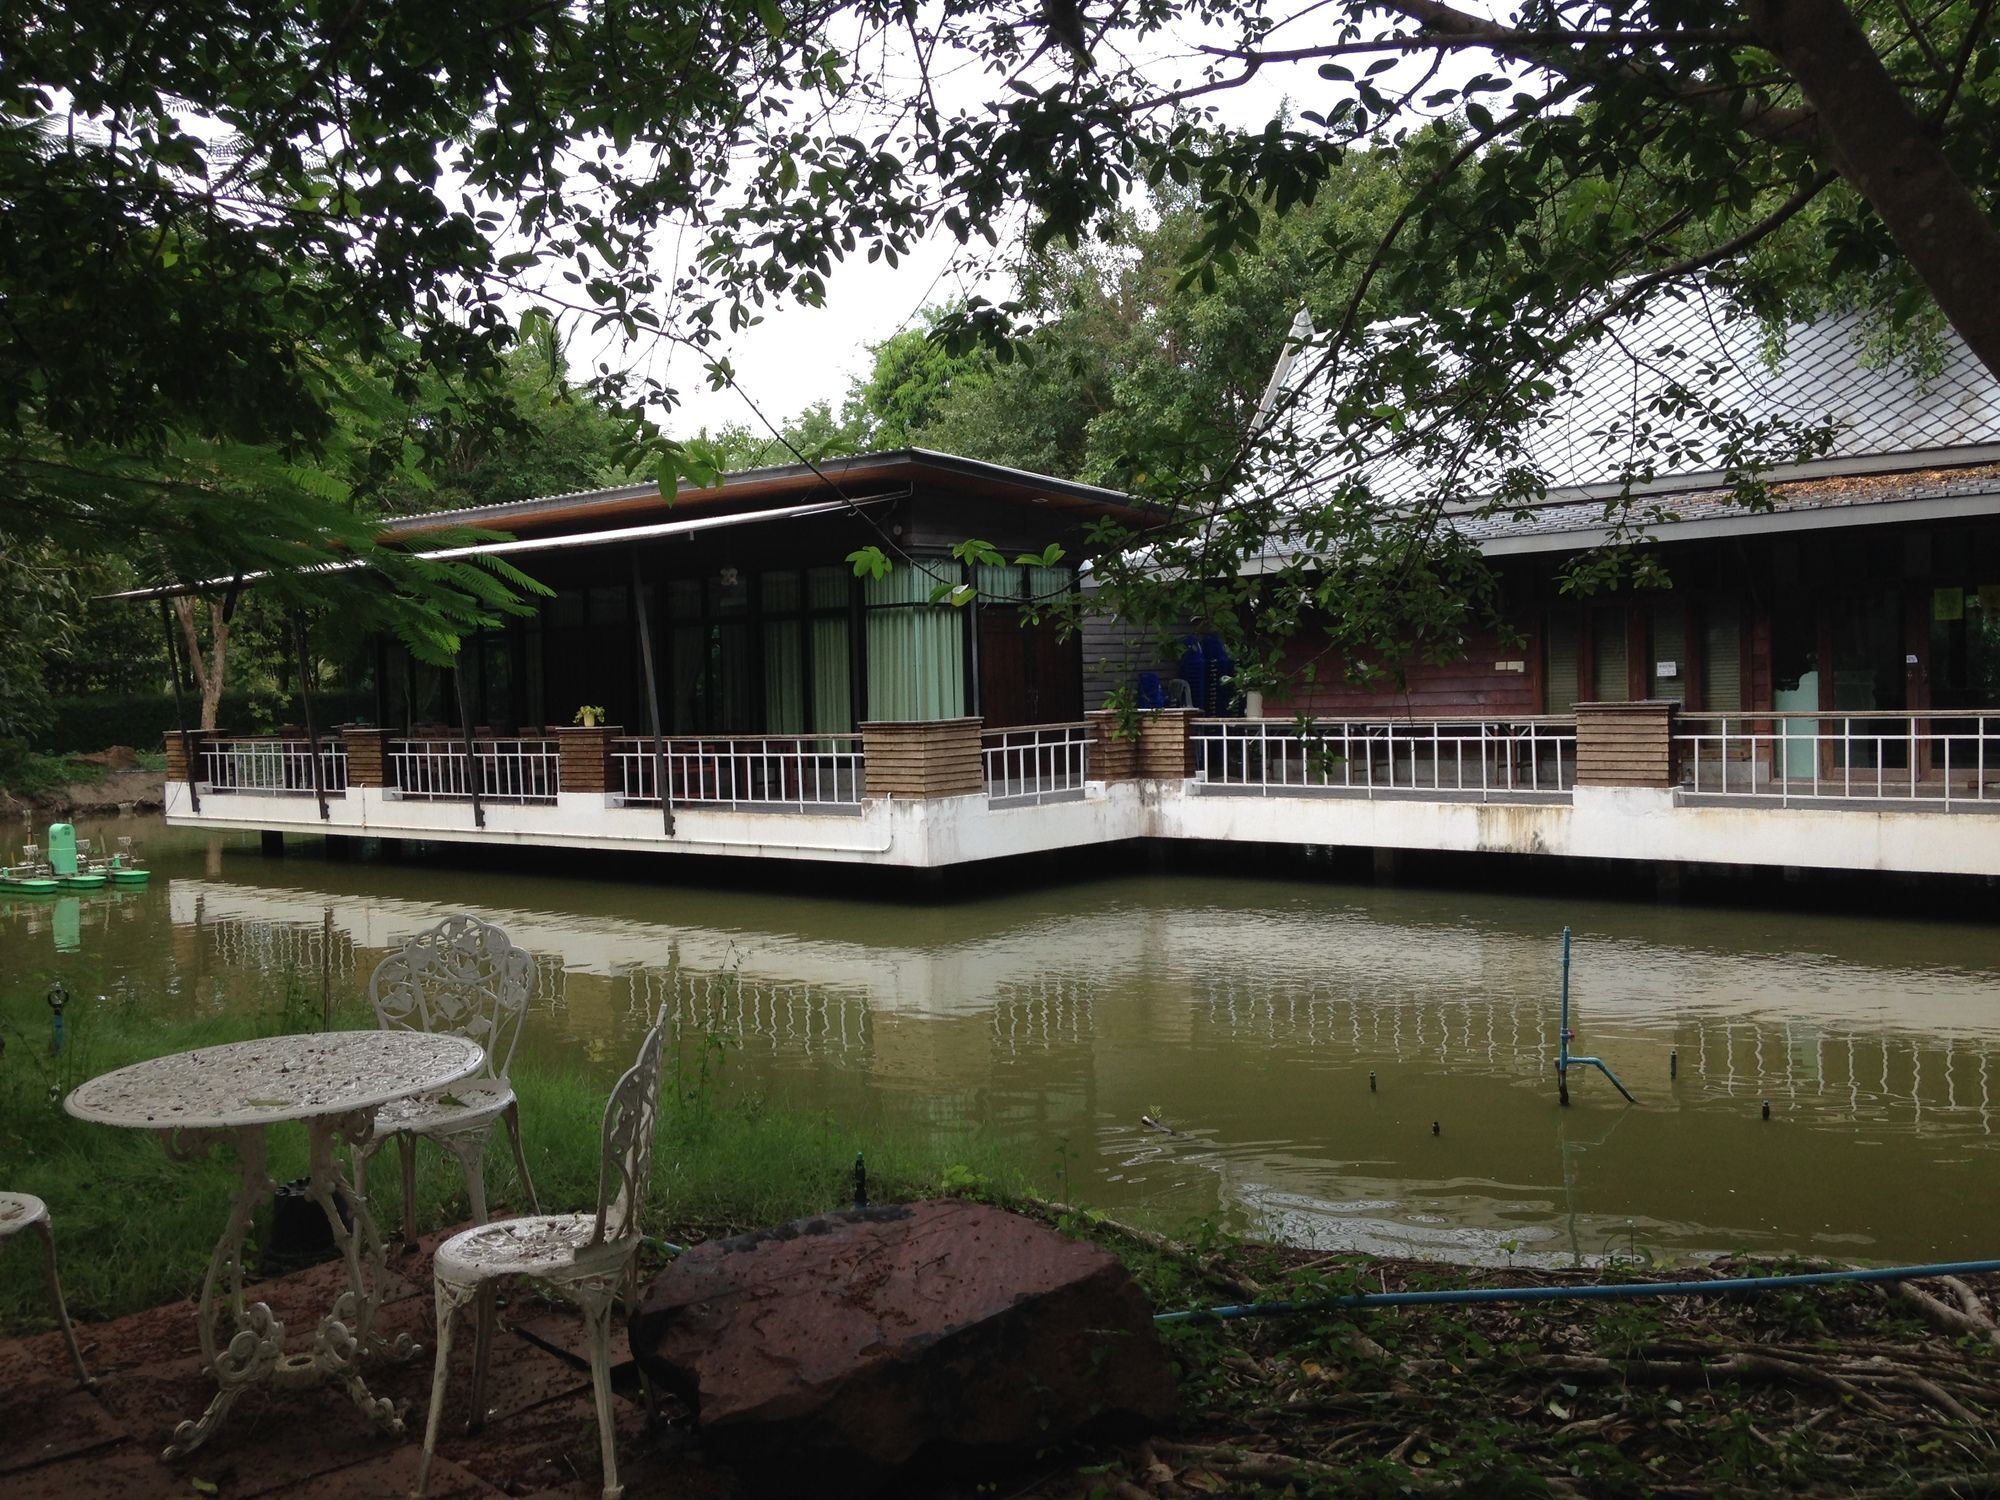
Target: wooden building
column 1871, row 581
column 757, row 622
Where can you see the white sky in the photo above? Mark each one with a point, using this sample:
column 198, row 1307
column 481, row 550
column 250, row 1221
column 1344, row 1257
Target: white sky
column 798, row 355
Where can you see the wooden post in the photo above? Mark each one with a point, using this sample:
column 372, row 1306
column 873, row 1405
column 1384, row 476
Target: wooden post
column 652, row 698
column 312, row 729
column 187, row 737
column 1165, row 751
column 1625, row 744
column 921, row 760
column 584, row 756
column 465, row 724
column 367, row 756
column 1113, row 757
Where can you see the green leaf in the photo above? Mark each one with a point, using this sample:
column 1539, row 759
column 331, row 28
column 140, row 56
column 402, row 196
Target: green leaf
column 869, row 562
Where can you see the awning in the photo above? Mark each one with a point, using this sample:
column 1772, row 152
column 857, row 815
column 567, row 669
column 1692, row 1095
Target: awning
column 647, row 533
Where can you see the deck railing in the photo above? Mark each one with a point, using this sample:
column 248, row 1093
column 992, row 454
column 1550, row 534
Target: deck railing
column 1035, row 762
column 272, row 767
column 508, row 770
column 1936, row 756
column 1487, row 759
column 774, row 773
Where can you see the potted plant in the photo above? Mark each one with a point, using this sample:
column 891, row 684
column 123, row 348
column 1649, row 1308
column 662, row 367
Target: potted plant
column 589, row 716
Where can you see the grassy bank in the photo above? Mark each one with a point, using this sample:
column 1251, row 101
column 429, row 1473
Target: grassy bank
column 134, row 1229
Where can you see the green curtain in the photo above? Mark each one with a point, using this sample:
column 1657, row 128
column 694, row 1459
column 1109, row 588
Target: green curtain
column 1045, row 587
column 916, row 650
column 784, row 678
column 833, row 700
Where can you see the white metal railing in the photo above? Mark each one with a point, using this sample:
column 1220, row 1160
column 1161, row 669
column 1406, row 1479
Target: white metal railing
column 1941, row 756
column 772, row 772
column 272, row 767
column 1035, row 762
column 1486, row 758
column 509, row 770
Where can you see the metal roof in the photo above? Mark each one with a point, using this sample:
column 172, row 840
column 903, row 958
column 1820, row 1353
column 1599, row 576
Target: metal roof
column 1898, row 434
column 556, row 543
column 778, row 480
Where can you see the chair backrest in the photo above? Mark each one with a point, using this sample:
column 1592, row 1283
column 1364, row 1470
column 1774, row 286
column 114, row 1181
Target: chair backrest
column 463, row 977
column 631, row 1119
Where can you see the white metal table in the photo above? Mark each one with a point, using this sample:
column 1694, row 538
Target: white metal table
column 332, row 1082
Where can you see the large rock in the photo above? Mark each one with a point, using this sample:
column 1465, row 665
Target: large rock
column 844, row 1348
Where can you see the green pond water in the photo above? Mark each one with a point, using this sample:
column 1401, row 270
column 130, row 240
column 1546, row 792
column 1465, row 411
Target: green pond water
column 1246, row 1013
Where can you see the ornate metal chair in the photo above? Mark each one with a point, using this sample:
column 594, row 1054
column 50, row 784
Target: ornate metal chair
column 464, row 977
column 19, row 1211
column 583, row 1258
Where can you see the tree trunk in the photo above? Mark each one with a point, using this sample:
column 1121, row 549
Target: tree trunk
column 1893, row 159
column 209, row 668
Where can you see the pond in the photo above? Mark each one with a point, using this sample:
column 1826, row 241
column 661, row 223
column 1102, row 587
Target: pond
column 1342, row 1066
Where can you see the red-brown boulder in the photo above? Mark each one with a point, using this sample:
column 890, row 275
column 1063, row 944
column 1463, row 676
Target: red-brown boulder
column 848, row 1347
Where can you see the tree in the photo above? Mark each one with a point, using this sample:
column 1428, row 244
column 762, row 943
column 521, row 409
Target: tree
column 216, row 216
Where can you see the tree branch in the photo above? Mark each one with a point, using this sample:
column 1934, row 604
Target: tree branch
column 1892, row 159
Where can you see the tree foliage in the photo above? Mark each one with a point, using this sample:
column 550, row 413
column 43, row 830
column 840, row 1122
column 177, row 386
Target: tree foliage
column 225, row 224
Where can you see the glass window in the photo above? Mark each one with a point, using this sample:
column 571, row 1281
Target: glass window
column 832, row 696
column 780, row 592
column 1610, row 682
column 1722, row 657
column 784, row 677
column 608, row 604
column 1559, row 676
column 829, row 588
column 729, row 593
column 1668, row 670
column 916, row 649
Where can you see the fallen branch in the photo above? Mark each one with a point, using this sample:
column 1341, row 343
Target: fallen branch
column 1942, row 1316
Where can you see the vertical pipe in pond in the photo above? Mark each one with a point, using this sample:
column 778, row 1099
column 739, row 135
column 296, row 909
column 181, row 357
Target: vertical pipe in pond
column 1562, row 1034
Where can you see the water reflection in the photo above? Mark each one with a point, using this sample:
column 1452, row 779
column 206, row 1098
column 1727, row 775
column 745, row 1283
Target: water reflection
column 1249, row 1016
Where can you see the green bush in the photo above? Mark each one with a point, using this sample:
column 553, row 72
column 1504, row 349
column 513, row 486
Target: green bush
column 144, row 720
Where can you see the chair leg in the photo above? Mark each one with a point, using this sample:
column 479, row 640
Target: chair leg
column 652, row 1396
column 469, row 1146
column 406, row 1143
column 596, row 1306
column 447, row 1308
column 42, row 1227
column 513, row 1119
column 487, row 1305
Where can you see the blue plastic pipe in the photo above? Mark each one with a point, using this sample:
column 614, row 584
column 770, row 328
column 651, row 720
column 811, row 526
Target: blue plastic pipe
column 1563, row 1057
column 1594, row 1292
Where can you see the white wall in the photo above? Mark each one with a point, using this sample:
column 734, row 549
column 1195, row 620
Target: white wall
column 1598, row 823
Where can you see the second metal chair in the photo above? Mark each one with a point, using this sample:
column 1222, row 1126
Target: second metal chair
column 464, row 977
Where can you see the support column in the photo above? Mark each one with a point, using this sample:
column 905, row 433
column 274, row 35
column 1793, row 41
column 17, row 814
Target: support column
column 1165, row 751
column 1625, row 744
column 1113, row 757
column 184, row 754
column 367, row 756
column 272, row 844
column 585, row 757
column 939, row 758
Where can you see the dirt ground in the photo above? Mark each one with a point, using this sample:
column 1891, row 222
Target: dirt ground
column 58, row 1442
column 115, row 792
column 1843, row 1391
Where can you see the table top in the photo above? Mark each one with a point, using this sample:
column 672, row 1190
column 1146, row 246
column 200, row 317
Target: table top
column 274, row 1079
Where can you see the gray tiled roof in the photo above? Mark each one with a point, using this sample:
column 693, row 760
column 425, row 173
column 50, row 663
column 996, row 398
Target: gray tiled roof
column 1583, row 448
column 1718, row 503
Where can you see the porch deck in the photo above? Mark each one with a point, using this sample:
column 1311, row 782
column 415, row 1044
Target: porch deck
column 1617, row 781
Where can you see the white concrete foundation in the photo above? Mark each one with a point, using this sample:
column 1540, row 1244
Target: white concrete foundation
column 1593, row 823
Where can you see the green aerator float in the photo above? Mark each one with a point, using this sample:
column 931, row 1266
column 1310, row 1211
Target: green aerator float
column 69, row 872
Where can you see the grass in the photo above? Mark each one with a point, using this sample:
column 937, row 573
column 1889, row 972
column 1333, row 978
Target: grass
column 135, row 1229
column 30, row 773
